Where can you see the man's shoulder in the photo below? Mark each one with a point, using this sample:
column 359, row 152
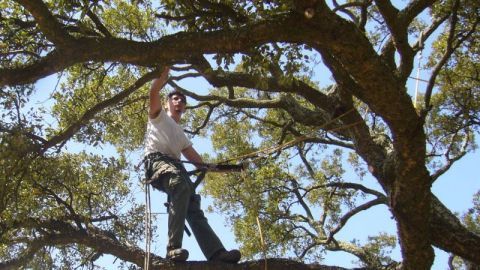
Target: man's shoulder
column 158, row 117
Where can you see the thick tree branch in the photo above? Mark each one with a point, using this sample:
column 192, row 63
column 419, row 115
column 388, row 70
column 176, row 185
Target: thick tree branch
column 53, row 62
column 314, row 96
column 449, row 234
column 287, row 103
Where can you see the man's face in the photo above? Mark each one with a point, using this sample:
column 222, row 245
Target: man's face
column 177, row 103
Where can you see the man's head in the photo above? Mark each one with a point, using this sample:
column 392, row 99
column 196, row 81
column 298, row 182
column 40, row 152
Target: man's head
column 177, row 102
column 179, row 94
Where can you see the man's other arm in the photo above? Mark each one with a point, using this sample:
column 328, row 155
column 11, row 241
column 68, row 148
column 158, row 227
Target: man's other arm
column 192, row 155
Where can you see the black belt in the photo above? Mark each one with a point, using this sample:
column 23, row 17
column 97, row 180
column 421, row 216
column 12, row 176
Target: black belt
column 152, row 157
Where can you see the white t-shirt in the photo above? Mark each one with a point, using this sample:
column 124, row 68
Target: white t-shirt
column 164, row 135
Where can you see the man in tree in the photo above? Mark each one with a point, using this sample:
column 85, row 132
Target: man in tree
column 165, row 141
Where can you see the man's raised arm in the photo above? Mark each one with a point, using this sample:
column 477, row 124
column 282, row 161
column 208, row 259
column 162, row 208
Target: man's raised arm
column 157, row 85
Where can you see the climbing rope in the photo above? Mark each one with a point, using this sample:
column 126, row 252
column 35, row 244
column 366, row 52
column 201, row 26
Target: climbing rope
column 262, row 242
column 148, row 226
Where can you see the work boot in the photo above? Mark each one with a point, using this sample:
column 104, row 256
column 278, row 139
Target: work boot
column 177, row 254
column 231, row 256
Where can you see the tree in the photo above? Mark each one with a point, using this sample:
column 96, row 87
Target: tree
column 257, row 56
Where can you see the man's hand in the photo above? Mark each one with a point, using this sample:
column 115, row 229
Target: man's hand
column 164, row 76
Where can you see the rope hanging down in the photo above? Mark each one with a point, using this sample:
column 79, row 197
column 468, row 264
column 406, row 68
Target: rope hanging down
column 148, row 226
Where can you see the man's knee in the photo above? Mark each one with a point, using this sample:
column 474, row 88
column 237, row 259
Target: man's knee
column 194, row 210
column 195, row 201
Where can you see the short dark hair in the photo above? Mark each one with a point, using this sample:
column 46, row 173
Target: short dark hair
column 178, row 93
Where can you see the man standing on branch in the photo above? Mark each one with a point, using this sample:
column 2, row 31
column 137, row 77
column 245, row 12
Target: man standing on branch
column 165, row 141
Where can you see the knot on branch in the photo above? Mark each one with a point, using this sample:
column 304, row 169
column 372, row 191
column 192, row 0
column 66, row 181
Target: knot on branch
column 309, row 13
